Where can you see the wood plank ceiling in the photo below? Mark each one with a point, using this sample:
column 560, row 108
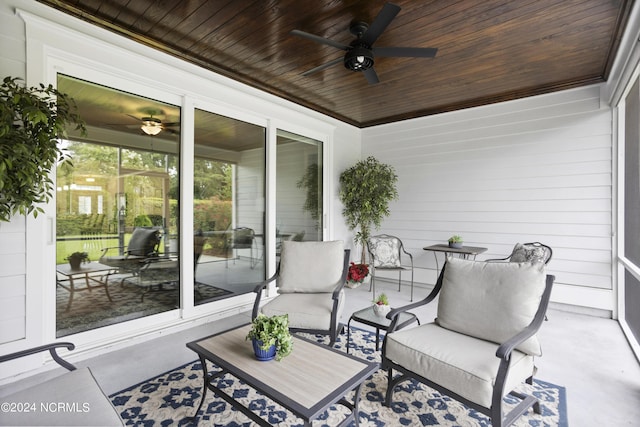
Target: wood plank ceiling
column 488, row 51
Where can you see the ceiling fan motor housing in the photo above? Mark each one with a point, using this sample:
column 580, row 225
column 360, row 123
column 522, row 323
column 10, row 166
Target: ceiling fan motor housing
column 358, row 58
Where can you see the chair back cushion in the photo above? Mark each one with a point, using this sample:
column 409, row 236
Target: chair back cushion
column 143, row 241
column 385, row 251
column 529, row 253
column 310, row 267
column 491, row 301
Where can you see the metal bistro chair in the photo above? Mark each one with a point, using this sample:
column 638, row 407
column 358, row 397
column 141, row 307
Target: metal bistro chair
column 528, row 252
column 386, row 253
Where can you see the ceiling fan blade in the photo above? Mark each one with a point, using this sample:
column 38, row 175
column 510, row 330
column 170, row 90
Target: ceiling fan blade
column 319, row 39
column 377, row 27
column 371, row 76
column 413, row 52
column 171, row 124
column 323, row 66
column 134, row 117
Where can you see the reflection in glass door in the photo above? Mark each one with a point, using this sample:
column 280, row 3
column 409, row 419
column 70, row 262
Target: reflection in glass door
column 117, row 208
column 228, row 172
column 298, row 188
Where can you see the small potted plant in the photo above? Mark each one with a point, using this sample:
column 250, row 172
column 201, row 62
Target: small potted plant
column 77, row 258
column 381, row 305
column 357, row 274
column 271, row 337
column 455, row 241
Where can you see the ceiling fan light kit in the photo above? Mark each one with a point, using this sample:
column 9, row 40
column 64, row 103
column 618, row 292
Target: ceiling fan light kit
column 359, row 54
column 359, row 58
column 151, row 126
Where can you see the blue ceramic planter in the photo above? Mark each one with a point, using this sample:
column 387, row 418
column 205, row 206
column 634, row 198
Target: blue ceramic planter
column 263, row 355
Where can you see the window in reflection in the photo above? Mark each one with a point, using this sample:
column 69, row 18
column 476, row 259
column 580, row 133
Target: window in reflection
column 228, row 173
column 117, row 208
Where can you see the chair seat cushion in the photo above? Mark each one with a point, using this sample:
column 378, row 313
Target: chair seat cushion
column 465, row 365
column 83, row 403
column 128, row 261
column 306, row 311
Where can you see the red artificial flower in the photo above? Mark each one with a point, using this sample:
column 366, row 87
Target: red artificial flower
column 357, row 272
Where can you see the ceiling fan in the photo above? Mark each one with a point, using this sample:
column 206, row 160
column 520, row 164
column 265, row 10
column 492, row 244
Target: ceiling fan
column 360, row 52
column 152, row 125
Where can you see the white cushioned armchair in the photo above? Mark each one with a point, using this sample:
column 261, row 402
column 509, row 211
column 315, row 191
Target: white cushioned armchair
column 483, row 342
column 310, row 281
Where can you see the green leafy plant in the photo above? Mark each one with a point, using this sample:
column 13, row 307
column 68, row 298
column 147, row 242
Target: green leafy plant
column 79, row 256
column 32, row 119
column 382, row 299
column 366, row 189
column 270, row 331
column 455, row 239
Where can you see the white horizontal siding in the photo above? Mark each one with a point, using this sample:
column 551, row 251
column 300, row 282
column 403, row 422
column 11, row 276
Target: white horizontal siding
column 537, row 169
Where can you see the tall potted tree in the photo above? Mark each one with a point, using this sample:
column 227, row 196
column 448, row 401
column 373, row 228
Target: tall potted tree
column 31, row 121
column 366, row 189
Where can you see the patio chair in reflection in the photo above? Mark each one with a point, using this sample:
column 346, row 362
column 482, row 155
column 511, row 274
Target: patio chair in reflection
column 144, row 244
column 242, row 238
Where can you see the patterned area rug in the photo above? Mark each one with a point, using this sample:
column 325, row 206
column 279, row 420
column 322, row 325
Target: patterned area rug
column 90, row 310
column 171, row 398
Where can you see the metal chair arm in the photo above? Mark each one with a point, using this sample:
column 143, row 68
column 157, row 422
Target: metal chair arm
column 52, row 350
column 258, row 290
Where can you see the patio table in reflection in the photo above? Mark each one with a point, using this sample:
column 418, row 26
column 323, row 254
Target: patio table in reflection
column 95, row 276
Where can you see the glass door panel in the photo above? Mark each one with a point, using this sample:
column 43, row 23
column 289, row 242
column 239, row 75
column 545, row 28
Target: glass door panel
column 229, row 213
column 299, row 192
column 117, row 203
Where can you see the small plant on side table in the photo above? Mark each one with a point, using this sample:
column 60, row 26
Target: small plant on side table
column 381, row 305
column 271, row 331
column 455, row 241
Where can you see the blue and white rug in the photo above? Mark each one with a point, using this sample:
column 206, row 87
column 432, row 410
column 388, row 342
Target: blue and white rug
column 171, row 398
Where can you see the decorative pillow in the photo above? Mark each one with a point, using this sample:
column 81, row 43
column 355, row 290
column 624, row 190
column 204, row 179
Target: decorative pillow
column 143, row 241
column 491, row 301
column 528, row 253
column 386, row 252
column 310, row 267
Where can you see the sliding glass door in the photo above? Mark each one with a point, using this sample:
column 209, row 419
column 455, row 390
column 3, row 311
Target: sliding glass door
column 119, row 199
column 228, row 206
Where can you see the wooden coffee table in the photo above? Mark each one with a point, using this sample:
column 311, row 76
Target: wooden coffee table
column 312, row 378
